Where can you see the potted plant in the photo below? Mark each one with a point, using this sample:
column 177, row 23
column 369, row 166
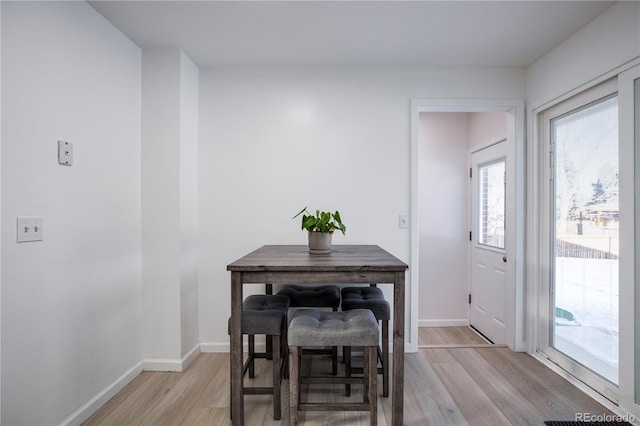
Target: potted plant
column 320, row 228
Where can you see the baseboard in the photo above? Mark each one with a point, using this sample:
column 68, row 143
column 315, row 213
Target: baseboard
column 168, row 364
column 215, row 348
column 462, row 322
column 84, row 412
column 190, row 356
column 220, row 348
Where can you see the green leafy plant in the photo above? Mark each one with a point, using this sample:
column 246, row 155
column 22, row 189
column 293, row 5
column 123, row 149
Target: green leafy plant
column 324, row 222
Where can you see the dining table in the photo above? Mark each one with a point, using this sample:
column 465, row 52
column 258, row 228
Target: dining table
column 294, row 264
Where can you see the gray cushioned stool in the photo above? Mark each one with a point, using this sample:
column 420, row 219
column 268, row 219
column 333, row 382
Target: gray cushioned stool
column 323, row 296
column 266, row 314
column 305, row 296
column 373, row 299
column 357, row 327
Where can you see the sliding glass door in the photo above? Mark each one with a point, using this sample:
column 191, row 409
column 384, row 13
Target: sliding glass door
column 584, row 243
column 586, row 233
column 586, row 236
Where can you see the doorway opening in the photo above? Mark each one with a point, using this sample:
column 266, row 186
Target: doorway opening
column 445, row 136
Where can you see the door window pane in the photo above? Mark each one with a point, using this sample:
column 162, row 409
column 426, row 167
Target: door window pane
column 491, row 209
column 586, row 226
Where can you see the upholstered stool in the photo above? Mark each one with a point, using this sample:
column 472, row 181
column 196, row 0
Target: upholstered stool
column 324, row 296
column 373, row 299
column 357, row 327
column 265, row 314
column 304, row 296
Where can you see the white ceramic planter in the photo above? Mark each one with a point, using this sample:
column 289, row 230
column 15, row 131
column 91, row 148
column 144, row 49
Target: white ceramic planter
column 320, row 243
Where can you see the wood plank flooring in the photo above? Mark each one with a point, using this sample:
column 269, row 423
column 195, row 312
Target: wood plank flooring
column 444, row 386
column 451, row 336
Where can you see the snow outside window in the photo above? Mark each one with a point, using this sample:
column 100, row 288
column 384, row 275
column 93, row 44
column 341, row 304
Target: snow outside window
column 492, row 207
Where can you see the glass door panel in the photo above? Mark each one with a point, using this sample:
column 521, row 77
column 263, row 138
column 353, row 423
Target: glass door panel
column 586, row 236
column 492, row 207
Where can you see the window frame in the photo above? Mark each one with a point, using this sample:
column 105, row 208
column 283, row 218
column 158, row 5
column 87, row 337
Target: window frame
column 480, row 217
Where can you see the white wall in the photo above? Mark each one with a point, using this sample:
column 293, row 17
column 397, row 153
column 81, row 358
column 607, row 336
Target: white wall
column 160, row 334
column 486, row 128
column 70, row 302
column 274, row 140
column 189, row 99
column 169, row 208
column 610, row 40
column 444, row 218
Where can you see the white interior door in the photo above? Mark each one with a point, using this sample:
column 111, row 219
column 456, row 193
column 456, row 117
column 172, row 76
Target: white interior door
column 487, row 297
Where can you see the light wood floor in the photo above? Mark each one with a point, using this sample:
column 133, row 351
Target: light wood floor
column 443, row 386
column 452, row 336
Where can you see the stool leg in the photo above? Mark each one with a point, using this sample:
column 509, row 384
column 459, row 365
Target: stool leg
column 334, row 356
column 373, row 385
column 293, row 385
column 276, row 378
column 268, row 289
column 366, row 362
column 347, row 368
column 285, row 348
column 385, row 358
column 299, row 369
column 252, row 351
column 269, row 346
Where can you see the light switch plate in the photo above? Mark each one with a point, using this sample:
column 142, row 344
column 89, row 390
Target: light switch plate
column 403, row 221
column 29, row 229
column 65, row 153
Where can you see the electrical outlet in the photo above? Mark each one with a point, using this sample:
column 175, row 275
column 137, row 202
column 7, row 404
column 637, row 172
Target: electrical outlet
column 29, row 229
column 65, row 153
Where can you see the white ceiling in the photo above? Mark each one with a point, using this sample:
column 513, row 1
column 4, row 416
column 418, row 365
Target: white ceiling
column 353, row 33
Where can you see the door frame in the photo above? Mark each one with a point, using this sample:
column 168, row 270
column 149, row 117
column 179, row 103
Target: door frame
column 629, row 384
column 515, row 110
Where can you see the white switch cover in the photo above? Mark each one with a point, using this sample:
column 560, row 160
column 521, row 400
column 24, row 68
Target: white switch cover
column 29, row 229
column 403, row 221
column 65, row 153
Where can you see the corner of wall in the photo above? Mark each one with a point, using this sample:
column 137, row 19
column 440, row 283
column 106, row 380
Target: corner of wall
column 170, row 207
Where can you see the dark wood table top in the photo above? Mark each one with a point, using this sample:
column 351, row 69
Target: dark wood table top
column 296, row 258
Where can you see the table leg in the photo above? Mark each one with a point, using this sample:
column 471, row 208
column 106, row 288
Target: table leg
column 398, row 349
column 237, row 413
